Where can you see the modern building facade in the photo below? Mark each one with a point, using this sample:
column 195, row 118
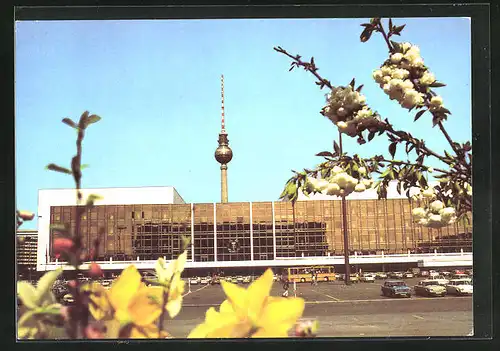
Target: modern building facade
column 147, row 224
column 26, row 252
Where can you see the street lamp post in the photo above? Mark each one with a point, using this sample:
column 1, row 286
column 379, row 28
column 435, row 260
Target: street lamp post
column 347, row 278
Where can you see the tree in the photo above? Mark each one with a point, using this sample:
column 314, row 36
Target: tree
column 404, row 77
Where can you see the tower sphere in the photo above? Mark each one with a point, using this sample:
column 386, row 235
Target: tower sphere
column 223, row 154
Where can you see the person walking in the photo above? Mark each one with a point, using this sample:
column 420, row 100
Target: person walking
column 286, row 286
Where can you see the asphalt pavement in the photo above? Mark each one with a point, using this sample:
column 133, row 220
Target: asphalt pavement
column 358, row 310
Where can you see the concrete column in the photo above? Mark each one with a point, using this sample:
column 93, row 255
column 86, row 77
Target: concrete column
column 215, row 233
column 192, row 232
column 223, row 183
column 274, row 232
column 251, row 233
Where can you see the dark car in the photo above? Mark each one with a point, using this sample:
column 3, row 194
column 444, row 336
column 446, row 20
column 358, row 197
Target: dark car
column 396, row 288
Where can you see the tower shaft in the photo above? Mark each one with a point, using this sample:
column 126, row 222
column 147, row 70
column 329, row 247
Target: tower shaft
column 223, row 184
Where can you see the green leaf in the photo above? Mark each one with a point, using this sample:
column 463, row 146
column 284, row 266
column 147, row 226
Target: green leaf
column 392, row 149
column 353, row 81
column 69, row 122
column 371, row 135
column 44, row 295
column 336, row 147
column 82, row 167
column 56, row 168
column 324, row 153
column 419, row 114
column 396, row 46
column 397, row 30
column 437, row 84
column 92, row 198
column 366, row 34
column 27, row 294
column 93, row 119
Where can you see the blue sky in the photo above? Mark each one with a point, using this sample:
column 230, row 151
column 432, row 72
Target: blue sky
column 156, row 85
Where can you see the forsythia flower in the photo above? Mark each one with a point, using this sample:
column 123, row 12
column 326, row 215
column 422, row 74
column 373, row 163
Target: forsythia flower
column 171, row 277
column 251, row 313
column 129, row 302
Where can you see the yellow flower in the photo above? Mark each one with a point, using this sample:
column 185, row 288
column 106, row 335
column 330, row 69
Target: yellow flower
column 250, row 313
column 128, row 301
column 170, row 277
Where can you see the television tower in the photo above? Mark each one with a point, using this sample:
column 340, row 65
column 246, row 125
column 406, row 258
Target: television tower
column 223, row 153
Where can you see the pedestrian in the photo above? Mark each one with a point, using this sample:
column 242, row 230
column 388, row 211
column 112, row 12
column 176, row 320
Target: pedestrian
column 286, row 286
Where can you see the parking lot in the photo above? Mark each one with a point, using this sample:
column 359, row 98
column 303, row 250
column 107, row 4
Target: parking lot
column 358, row 310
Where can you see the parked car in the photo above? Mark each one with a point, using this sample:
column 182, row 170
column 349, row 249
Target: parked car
column 194, row 281
column 395, row 288
column 354, row 278
column 368, row 278
column 407, row 275
column 381, row 275
column 239, row 279
column 205, row 280
column 433, row 274
column 469, row 272
column 460, row 287
column 429, row 287
column 396, row 275
column 445, row 273
column 338, row 276
column 424, row 273
column 247, row 279
column 439, row 279
column 460, row 276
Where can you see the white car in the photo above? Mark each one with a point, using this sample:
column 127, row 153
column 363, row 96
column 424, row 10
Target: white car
column 408, row 275
column 194, row 281
column 439, row 279
column 380, row 275
column 429, row 287
column 460, row 287
column 368, row 278
column 247, row 279
column 205, row 281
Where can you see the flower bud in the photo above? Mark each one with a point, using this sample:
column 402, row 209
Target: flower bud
column 341, row 112
column 407, row 84
column 418, row 213
column 447, row 213
column 405, row 46
column 333, row 189
column 435, row 221
column 378, row 75
column 26, row 215
column 436, row 206
column 342, row 125
column 337, row 169
column 63, row 245
column 387, row 88
column 428, row 193
column 95, row 270
column 427, row 79
column 396, row 58
column 72, row 284
column 436, row 101
column 417, row 62
column 386, row 70
column 367, row 182
column 341, row 179
column 359, row 188
column 400, row 73
column 430, row 169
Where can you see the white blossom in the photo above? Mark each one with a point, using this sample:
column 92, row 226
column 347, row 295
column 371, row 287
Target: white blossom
column 428, row 78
